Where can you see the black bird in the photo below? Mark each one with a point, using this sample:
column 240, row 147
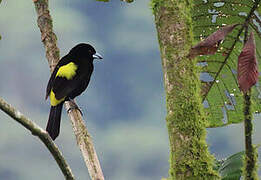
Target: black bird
column 69, row 79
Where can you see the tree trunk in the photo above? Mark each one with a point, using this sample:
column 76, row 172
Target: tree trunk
column 189, row 156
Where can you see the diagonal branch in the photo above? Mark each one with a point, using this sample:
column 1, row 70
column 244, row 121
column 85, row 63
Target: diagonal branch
column 85, row 143
column 224, row 62
column 41, row 134
column 83, row 138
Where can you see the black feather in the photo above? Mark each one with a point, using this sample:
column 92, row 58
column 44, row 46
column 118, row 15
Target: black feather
column 82, row 56
column 53, row 125
column 50, row 82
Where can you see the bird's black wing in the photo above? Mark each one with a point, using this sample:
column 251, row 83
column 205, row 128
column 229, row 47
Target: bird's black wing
column 62, row 87
column 62, row 62
column 50, row 82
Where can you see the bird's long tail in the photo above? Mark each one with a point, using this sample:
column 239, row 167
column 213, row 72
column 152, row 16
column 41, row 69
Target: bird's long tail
column 53, row 125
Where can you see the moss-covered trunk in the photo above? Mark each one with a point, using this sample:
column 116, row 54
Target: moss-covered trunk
column 189, row 156
column 250, row 162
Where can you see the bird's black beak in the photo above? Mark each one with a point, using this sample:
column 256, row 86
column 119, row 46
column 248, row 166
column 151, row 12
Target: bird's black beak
column 97, row 56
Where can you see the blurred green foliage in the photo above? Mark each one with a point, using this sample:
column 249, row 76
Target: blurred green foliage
column 231, row 168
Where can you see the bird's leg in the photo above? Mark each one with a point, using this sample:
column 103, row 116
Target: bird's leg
column 73, row 106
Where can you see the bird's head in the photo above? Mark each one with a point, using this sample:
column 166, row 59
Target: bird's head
column 84, row 51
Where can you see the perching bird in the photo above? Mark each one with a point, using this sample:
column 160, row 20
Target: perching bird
column 69, row 79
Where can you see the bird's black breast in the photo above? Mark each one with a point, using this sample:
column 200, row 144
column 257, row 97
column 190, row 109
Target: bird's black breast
column 70, row 88
column 81, row 80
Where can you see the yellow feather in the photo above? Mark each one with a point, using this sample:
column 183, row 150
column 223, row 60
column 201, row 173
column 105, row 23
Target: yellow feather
column 53, row 100
column 68, row 71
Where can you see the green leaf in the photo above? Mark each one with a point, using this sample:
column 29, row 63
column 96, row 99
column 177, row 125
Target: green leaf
column 222, row 98
column 231, row 168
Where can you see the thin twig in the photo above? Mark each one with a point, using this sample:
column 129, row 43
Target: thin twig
column 40, row 133
column 83, row 138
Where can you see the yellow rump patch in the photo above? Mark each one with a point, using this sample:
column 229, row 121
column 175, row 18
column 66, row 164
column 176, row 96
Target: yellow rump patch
column 68, row 71
column 54, row 101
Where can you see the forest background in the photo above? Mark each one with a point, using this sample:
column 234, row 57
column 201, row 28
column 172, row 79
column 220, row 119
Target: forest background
column 124, row 106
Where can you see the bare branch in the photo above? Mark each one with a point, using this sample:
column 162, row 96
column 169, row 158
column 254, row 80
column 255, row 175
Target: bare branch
column 41, row 134
column 85, row 143
column 83, row 138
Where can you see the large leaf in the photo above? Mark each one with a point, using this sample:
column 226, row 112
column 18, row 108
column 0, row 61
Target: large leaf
column 222, row 98
column 247, row 68
column 231, row 168
column 211, row 44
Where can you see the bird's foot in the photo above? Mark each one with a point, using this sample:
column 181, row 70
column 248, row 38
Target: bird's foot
column 74, row 106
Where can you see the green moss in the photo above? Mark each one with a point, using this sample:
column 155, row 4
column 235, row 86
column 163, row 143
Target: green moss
column 250, row 158
column 188, row 120
column 189, row 156
column 154, row 4
column 253, row 175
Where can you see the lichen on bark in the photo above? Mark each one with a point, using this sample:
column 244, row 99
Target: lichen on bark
column 189, row 156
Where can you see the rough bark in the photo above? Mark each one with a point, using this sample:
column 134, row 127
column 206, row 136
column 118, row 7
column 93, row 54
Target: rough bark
column 85, row 144
column 83, row 138
column 41, row 134
column 189, row 156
